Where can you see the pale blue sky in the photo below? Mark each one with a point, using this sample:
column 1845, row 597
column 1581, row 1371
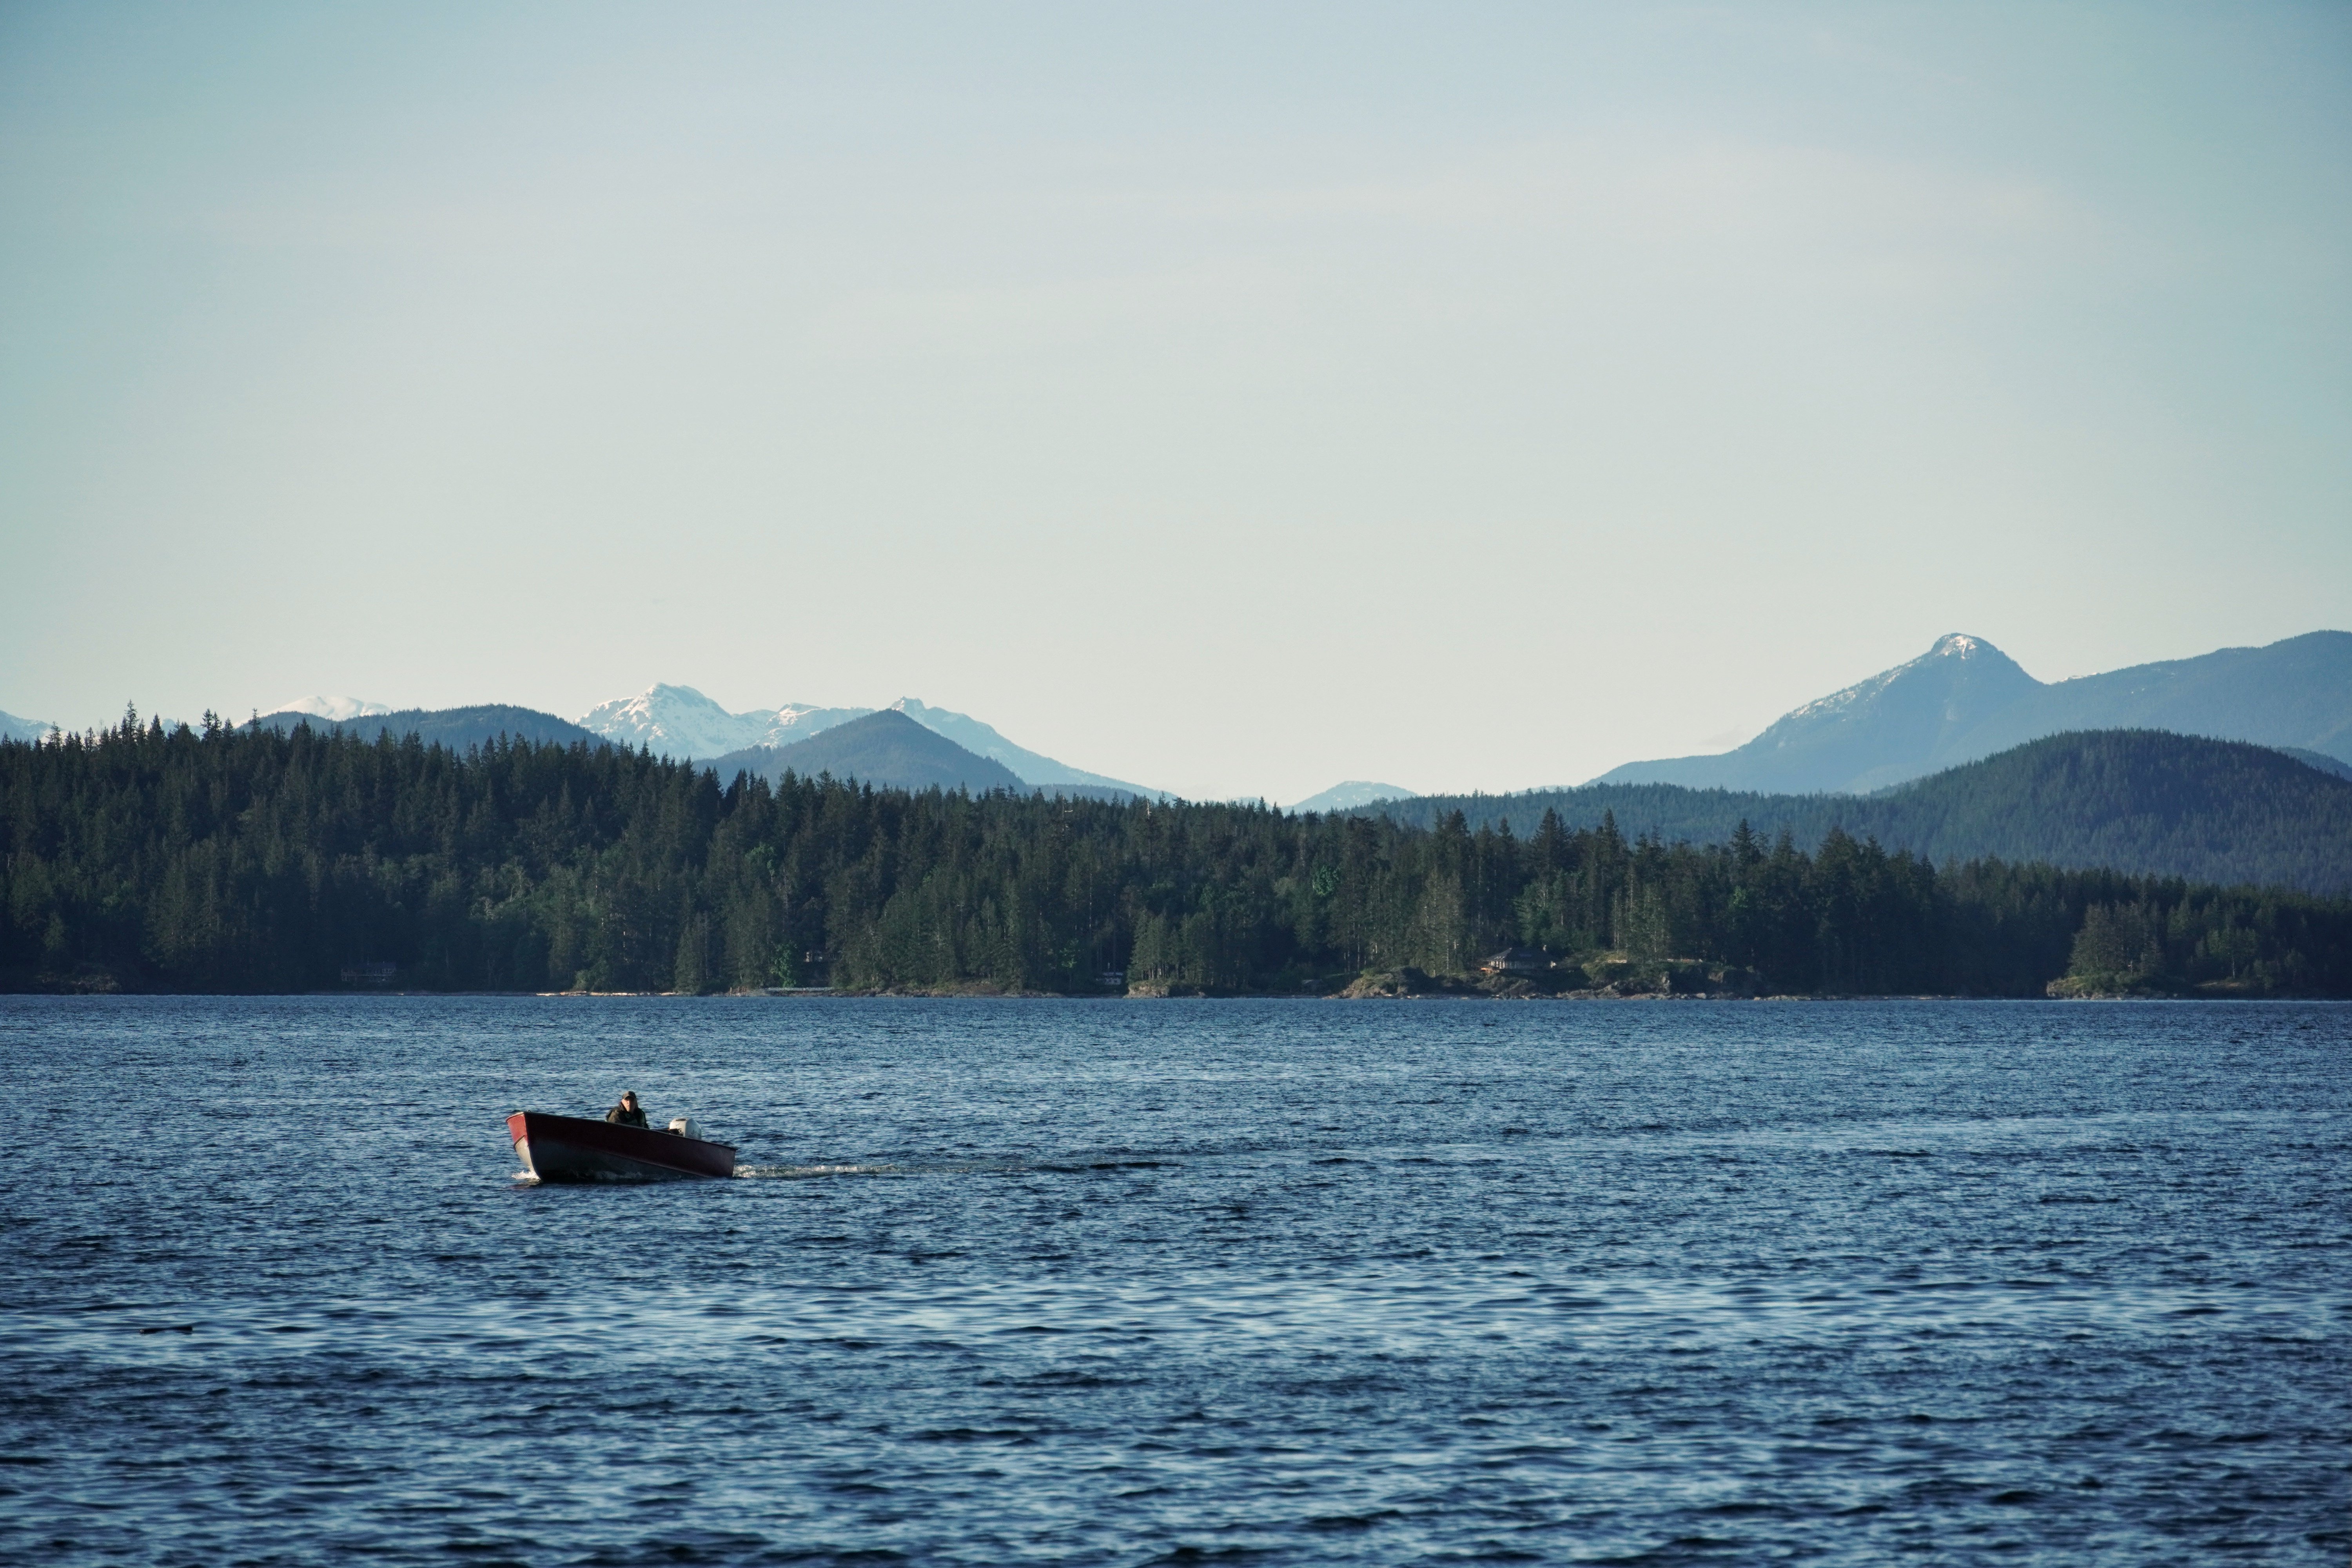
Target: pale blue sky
column 1234, row 399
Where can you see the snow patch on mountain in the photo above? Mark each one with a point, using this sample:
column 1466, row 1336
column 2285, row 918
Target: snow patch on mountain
column 1956, row 646
column 335, row 708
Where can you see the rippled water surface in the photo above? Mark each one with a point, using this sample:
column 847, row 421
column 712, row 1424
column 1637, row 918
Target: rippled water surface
column 1260, row 1282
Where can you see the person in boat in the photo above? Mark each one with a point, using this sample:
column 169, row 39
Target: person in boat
column 628, row 1113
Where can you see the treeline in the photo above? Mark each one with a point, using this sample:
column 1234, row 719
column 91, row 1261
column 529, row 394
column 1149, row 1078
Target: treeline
column 223, row 859
column 2135, row 800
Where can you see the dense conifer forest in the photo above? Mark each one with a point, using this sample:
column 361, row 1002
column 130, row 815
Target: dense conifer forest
column 226, row 859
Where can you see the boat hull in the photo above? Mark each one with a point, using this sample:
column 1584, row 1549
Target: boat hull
column 574, row 1149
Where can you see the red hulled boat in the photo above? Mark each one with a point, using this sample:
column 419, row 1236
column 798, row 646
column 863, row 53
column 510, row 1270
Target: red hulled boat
column 574, row 1149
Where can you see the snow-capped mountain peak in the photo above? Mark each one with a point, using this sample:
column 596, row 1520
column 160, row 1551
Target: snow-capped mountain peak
column 675, row 720
column 1956, row 647
column 679, row 722
column 1875, row 732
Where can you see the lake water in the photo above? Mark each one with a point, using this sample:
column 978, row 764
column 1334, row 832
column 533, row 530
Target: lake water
column 1247, row 1282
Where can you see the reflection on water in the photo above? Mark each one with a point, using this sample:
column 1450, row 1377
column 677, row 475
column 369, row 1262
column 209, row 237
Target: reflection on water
column 1019, row 1281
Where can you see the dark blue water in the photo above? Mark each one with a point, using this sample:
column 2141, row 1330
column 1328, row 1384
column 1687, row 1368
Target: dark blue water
column 1013, row 1282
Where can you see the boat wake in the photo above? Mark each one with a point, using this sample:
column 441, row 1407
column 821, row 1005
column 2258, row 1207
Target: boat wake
column 914, row 1168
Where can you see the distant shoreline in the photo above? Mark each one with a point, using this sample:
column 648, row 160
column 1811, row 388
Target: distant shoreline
column 976, row 995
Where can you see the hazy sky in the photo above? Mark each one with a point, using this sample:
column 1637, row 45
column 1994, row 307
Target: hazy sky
column 1231, row 399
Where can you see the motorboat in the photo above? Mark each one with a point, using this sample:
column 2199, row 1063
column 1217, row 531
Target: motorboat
column 574, row 1149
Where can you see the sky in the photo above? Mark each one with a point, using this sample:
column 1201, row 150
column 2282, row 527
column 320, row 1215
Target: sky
column 1232, row 399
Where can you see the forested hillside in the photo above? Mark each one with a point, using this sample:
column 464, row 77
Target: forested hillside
column 884, row 748
column 455, row 728
column 243, row 859
column 2131, row 800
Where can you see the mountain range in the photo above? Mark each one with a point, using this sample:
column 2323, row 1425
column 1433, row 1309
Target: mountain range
column 1964, row 699
column 679, row 722
column 2144, row 801
column 908, row 745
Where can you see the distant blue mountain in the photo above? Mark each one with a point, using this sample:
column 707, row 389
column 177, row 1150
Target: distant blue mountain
column 1964, row 699
column 887, row 748
column 15, row 729
column 2334, row 767
column 1348, row 796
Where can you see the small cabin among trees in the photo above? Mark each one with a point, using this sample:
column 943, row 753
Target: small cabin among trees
column 1517, row 961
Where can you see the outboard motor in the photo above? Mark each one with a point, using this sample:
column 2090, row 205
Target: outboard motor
column 684, row 1126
